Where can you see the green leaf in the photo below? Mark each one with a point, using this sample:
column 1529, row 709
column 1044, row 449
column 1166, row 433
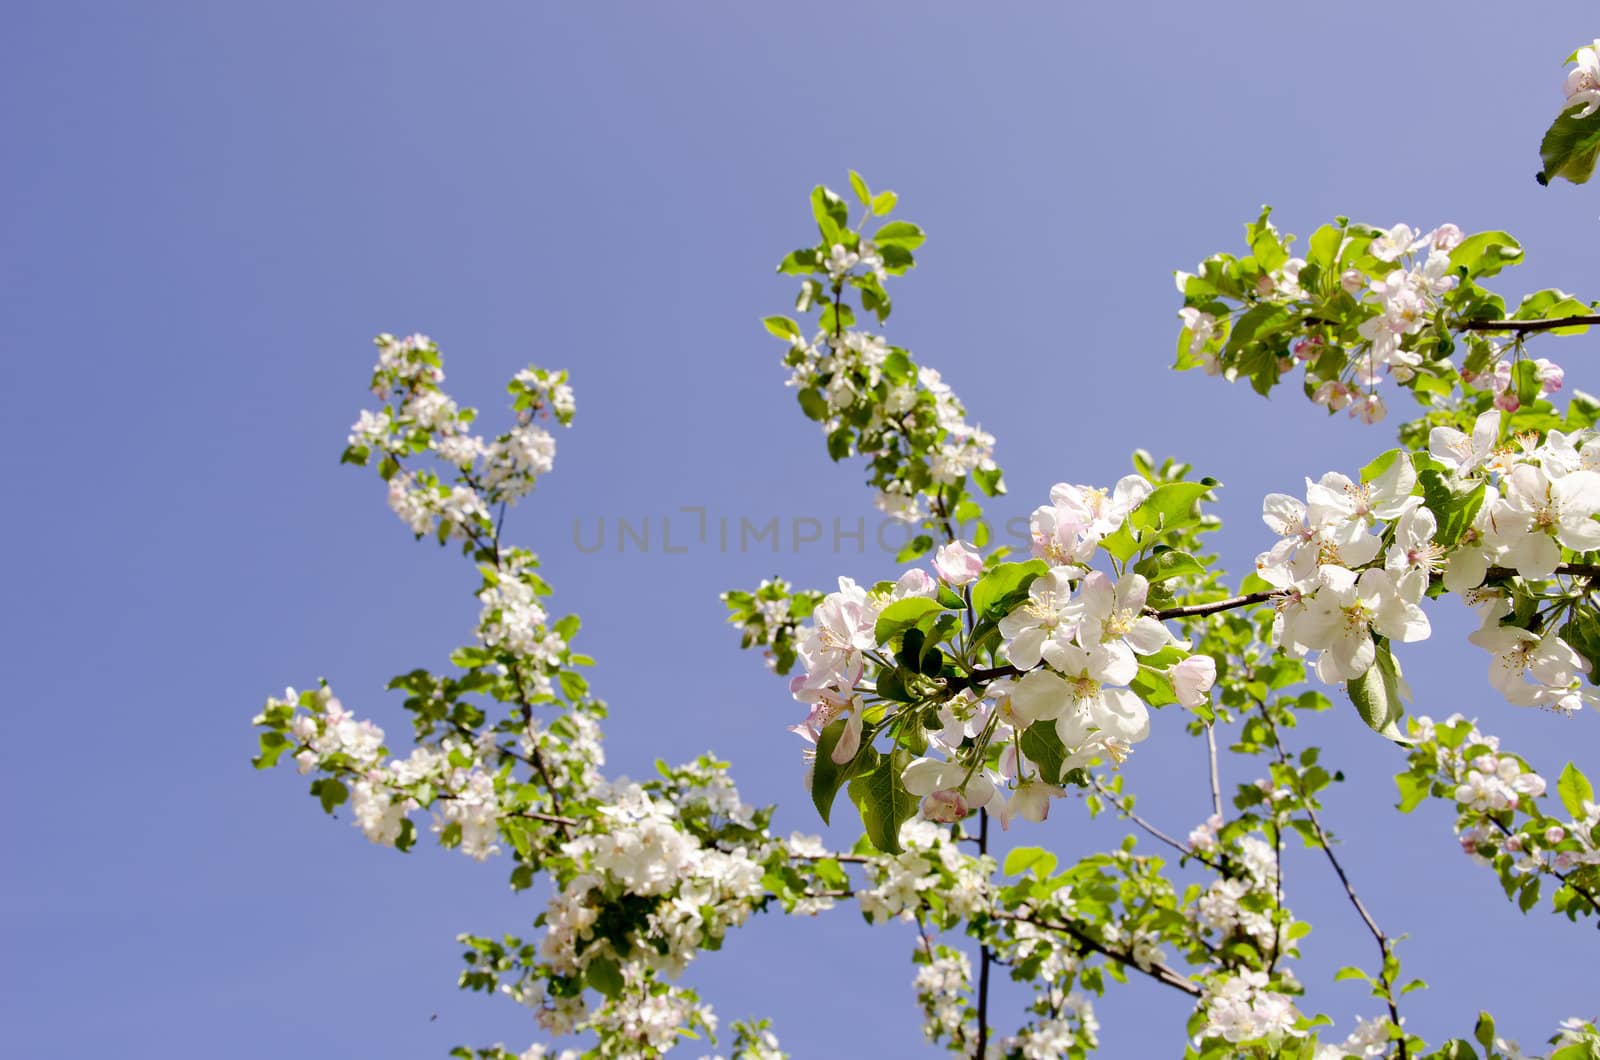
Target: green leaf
column 883, row 802
column 827, row 777
column 1376, row 694
column 273, row 744
column 1453, row 509
column 902, row 615
column 604, row 975
column 832, row 215
column 917, row 546
column 1044, row 749
column 1166, row 564
column 1575, row 790
column 1383, row 463
column 899, row 234
column 801, row 262
column 1484, row 1030
column 1413, row 789
column 883, row 203
column 859, row 186
column 1037, row 860
column 1170, row 507
column 1486, row 253
column 812, row 404
column 1002, row 581
column 330, row 792
column 782, row 327
column 1570, row 147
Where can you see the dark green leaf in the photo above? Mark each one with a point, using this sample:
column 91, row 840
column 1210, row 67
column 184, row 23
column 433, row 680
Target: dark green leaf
column 883, row 802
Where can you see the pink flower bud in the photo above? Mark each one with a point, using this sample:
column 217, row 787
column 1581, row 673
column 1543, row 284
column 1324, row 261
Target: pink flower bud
column 957, row 564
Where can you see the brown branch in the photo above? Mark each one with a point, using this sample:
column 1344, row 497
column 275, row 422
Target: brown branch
column 1158, row 971
column 1193, row 610
column 1526, row 326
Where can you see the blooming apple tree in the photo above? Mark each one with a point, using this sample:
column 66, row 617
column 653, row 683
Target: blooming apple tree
column 977, row 685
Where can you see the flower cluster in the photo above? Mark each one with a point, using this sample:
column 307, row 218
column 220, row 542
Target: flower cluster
column 1500, row 821
column 1244, row 1006
column 1326, row 606
column 421, row 418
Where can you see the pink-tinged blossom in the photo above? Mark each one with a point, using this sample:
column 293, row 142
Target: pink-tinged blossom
column 1192, row 680
column 958, row 564
column 1583, row 82
column 841, row 629
column 1396, row 243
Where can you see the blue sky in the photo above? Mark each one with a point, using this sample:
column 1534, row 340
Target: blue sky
column 211, row 208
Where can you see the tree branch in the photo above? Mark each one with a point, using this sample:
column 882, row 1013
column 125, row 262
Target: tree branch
column 1158, row 971
column 1526, row 326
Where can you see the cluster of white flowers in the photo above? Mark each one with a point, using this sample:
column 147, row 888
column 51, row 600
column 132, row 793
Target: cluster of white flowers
column 383, row 793
column 425, row 418
column 644, row 851
column 1220, row 908
column 1242, row 1007
column 1068, row 530
column 515, row 459
column 841, row 262
column 1490, row 781
column 1073, row 1028
column 928, row 861
column 411, row 363
column 1326, row 606
column 513, row 620
column 942, row 985
column 849, row 369
column 1369, row 1039
column 420, row 499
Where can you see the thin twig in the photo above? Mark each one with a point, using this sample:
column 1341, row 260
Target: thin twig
column 1126, row 809
column 1385, row 945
